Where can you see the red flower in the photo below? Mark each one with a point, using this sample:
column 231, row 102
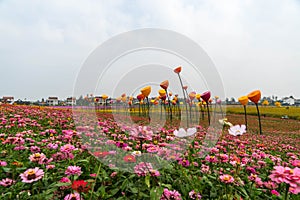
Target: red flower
column 80, row 186
column 129, row 158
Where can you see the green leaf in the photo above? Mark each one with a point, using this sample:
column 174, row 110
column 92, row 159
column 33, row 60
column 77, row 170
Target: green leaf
column 147, row 181
column 6, row 169
column 156, row 193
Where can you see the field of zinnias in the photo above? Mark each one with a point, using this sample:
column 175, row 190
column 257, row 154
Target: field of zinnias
column 42, row 157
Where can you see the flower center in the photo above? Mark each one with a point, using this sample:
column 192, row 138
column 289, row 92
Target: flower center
column 31, row 175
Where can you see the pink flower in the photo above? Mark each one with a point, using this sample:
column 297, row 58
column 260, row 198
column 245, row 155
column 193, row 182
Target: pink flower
column 73, row 196
column 211, row 159
column 37, row 157
column 142, row 133
column 65, row 180
column 184, row 162
column 32, row 175
column 204, row 169
column 73, row 170
column 7, row 182
column 194, row 195
column 275, row 192
column 226, row 178
column 279, row 175
column 50, row 166
column 3, row 163
column 168, row 194
column 143, row 169
column 67, row 148
column 296, row 163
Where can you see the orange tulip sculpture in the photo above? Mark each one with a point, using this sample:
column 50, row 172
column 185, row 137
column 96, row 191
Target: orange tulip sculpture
column 146, row 92
column 164, row 85
column 244, row 101
column 177, row 71
column 255, row 97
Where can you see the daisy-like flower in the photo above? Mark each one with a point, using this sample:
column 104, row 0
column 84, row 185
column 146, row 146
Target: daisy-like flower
column 32, row 175
column 73, row 196
column 37, row 157
column 7, row 182
column 226, row 178
column 194, row 195
column 67, row 148
column 81, row 186
column 136, row 153
column 129, row 158
column 73, row 170
column 168, row 194
column 237, row 130
column 182, row 133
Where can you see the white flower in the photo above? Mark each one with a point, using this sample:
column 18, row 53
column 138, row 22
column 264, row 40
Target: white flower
column 224, row 122
column 136, row 153
column 237, row 130
column 182, row 133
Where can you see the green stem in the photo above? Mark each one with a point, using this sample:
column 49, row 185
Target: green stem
column 208, row 113
column 245, row 111
column 169, row 105
column 186, row 109
column 286, row 192
column 95, row 181
column 260, row 132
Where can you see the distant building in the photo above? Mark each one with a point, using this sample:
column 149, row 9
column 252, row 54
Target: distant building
column 288, row 101
column 52, row 101
column 7, row 99
column 71, row 101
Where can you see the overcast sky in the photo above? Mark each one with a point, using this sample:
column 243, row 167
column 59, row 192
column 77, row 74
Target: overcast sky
column 253, row 44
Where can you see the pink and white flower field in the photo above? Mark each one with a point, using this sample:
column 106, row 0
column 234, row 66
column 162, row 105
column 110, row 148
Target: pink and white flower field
column 42, row 156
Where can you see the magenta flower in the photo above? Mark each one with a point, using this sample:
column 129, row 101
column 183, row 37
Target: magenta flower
column 274, row 192
column 32, row 175
column 67, row 148
column 73, row 170
column 168, row 194
column 3, row 163
column 226, row 178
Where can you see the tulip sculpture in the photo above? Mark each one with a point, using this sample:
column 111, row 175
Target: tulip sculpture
column 206, row 97
column 177, row 71
column 244, row 101
column 192, row 96
column 164, row 85
column 146, row 92
column 255, row 97
column 140, row 98
column 104, row 97
column 162, row 96
column 198, row 97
